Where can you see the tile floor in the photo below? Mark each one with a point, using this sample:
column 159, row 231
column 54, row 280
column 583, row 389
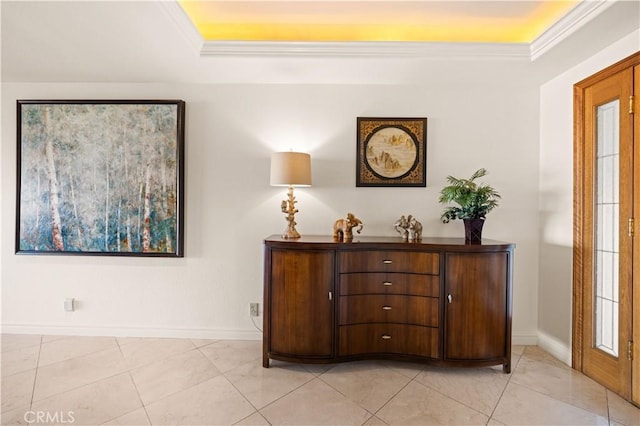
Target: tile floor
column 129, row 381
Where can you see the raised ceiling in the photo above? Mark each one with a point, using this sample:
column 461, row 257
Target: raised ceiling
column 405, row 21
column 154, row 41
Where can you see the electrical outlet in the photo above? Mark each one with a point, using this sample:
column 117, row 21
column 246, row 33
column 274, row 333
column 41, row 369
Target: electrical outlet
column 254, row 309
column 70, row 304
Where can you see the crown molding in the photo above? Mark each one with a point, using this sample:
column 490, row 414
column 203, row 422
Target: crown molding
column 367, row 49
column 577, row 17
column 175, row 12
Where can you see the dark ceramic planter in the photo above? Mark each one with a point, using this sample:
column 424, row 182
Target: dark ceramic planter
column 473, row 231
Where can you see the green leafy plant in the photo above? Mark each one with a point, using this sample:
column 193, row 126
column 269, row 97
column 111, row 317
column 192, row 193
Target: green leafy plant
column 474, row 200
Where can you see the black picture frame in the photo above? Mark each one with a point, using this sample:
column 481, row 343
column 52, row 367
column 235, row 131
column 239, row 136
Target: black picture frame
column 100, row 177
column 391, row 152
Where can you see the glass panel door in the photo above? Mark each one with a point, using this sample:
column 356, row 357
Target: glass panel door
column 604, row 243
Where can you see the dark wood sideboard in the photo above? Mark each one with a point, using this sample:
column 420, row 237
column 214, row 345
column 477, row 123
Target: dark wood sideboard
column 439, row 300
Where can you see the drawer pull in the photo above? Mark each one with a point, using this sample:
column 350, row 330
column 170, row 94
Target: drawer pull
column 449, row 298
column 386, row 337
column 387, row 283
column 386, row 308
column 387, row 262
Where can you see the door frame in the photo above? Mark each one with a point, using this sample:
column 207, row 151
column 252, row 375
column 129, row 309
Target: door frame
column 579, row 198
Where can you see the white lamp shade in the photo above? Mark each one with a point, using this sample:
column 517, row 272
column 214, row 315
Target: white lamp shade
column 290, row 168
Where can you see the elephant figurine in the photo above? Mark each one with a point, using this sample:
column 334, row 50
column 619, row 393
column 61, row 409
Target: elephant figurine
column 402, row 226
column 409, row 228
column 342, row 228
column 415, row 229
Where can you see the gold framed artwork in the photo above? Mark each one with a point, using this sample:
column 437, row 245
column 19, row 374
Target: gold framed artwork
column 391, row 152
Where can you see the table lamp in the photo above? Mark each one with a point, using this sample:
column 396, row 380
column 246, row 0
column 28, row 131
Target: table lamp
column 290, row 169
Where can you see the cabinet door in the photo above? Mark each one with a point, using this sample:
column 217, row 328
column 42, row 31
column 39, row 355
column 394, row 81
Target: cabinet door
column 476, row 306
column 301, row 300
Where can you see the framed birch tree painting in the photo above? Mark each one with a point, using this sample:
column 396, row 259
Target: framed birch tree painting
column 100, row 177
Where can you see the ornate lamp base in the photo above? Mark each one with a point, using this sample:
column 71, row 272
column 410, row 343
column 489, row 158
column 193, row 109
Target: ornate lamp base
column 288, row 207
column 290, row 233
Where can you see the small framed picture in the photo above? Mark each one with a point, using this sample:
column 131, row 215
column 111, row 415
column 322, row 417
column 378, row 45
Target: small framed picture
column 391, row 152
column 100, row 177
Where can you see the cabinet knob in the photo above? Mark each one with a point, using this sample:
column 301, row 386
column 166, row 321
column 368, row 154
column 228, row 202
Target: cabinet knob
column 449, row 298
column 386, row 308
column 386, row 262
column 330, row 296
column 387, row 283
column 386, row 337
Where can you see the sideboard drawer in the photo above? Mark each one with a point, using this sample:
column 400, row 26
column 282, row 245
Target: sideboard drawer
column 388, row 339
column 415, row 310
column 389, row 283
column 389, row 261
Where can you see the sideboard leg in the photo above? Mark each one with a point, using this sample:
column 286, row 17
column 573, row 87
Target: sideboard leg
column 265, row 361
column 506, row 367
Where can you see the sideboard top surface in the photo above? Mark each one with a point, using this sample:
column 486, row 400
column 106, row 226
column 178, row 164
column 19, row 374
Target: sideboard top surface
column 365, row 242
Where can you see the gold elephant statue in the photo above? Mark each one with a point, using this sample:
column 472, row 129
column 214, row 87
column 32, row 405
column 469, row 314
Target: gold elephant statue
column 342, row 228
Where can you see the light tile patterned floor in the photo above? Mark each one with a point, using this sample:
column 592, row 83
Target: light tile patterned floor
column 129, row 381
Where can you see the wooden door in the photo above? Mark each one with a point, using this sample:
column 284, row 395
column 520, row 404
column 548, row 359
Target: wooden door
column 635, row 301
column 302, row 303
column 475, row 306
column 604, row 218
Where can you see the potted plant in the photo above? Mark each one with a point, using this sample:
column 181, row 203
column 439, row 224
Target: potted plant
column 474, row 202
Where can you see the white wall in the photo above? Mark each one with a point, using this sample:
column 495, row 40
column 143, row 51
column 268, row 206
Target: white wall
column 481, row 114
column 556, row 194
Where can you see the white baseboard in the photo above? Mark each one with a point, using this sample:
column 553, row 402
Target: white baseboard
column 524, row 340
column 555, row 347
column 182, row 333
column 545, row 341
